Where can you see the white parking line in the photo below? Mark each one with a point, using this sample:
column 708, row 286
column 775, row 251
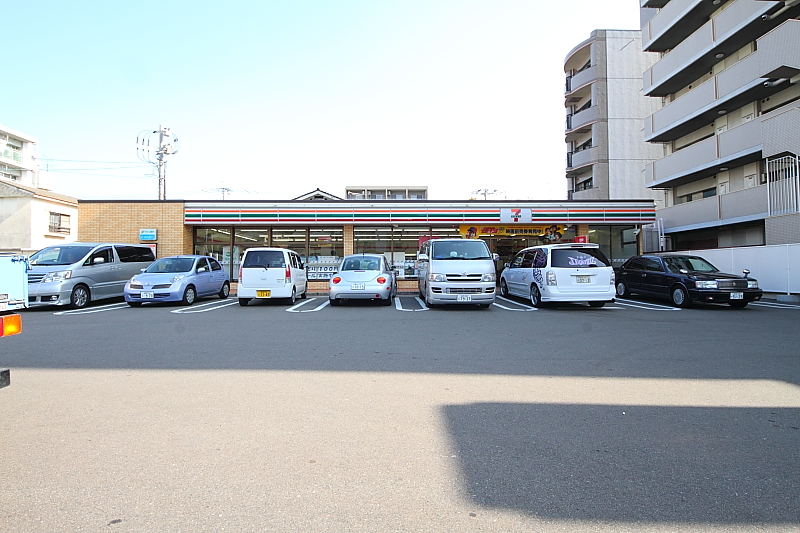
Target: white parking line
column 99, row 309
column 421, row 303
column 525, row 307
column 195, row 309
column 399, row 306
column 294, row 308
column 648, row 306
column 775, row 305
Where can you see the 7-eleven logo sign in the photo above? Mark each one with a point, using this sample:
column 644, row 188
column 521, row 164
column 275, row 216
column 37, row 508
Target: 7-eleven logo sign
column 515, row 215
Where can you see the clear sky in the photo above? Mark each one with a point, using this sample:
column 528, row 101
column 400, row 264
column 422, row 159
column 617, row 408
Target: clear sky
column 273, row 99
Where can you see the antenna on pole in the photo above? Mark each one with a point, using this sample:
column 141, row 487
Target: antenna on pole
column 486, row 192
column 156, row 155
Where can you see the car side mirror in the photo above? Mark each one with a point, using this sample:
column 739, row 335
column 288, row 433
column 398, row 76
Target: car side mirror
column 98, row 260
column 142, row 269
column 202, row 269
column 495, row 257
column 746, row 272
column 423, row 257
column 506, row 265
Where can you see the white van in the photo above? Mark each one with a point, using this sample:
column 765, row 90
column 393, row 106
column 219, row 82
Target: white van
column 77, row 273
column 271, row 273
column 456, row 271
column 570, row 272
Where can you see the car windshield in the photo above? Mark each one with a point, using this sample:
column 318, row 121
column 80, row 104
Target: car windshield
column 264, row 259
column 465, row 249
column 689, row 263
column 579, row 258
column 171, row 265
column 60, row 255
column 361, row 263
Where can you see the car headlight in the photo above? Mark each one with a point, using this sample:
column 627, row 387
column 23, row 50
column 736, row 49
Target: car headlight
column 57, row 276
column 489, row 277
column 752, row 284
column 437, row 277
column 177, row 278
column 706, row 284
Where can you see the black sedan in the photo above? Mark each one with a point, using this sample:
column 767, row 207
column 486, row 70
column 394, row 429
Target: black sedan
column 684, row 279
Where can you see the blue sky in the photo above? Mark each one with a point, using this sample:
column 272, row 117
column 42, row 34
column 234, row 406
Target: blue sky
column 272, row 99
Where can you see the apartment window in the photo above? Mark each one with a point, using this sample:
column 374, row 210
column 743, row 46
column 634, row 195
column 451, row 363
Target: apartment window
column 584, row 146
column 587, row 105
column 584, row 185
column 707, row 193
column 59, row 223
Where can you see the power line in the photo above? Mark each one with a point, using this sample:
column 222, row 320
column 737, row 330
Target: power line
column 83, row 161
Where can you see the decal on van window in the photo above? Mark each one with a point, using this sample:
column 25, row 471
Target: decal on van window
column 582, row 261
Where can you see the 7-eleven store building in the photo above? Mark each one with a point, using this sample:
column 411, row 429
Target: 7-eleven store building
column 323, row 231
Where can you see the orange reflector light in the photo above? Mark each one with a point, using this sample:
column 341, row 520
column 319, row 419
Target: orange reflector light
column 381, row 280
column 337, row 279
column 12, row 324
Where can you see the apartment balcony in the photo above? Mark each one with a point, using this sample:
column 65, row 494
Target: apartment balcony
column 579, row 80
column 758, row 76
column 675, row 21
column 733, row 148
column 581, row 123
column 739, row 24
column 732, row 208
column 578, row 161
column 653, row 3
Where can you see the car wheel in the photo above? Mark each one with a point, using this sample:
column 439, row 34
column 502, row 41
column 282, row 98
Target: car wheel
column 225, row 290
column 293, row 298
column 80, row 297
column 334, row 302
column 135, row 304
column 738, row 305
column 305, row 292
column 244, row 301
column 429, row 303
column 485, row 306
column 189, row 296
column 679, row 296
column 387, row 301
column 536, row 296
column 503, row 288
column 622, row 289
column 421, row 294
column 596, row 304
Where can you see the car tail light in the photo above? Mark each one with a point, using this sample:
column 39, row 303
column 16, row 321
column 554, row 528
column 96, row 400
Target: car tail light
column 288, row 274
column 381, row 280
column 551, row 278
column 11, row 325
column 240, row 273
column 336, row 280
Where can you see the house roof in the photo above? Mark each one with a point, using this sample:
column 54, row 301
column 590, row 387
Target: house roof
column 317, row 194
column 10, row 188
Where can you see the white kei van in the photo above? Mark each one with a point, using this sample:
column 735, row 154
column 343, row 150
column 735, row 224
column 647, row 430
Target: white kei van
column 271, row 273
column 77, row 273
column 456, row 271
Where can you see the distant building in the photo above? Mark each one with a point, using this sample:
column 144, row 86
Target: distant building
column 31, row 217
column 354, row 192
column 729, row 123
column 605, row 107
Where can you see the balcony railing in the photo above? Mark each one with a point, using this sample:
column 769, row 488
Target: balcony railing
column 747, row 204
column 59, row 229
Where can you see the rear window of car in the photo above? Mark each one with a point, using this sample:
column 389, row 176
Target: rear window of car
column 361, row 263
column 264, row 259
column 579, row 258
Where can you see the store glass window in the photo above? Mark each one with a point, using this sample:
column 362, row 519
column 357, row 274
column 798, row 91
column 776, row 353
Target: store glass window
column 618, row 243
column 325, row 250
column 372, row 240
column 295, row 239
column 215, row 242
column 244, row 238
column 406, row 241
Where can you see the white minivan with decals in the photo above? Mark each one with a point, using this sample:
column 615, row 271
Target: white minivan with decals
column 575, row 272
column 267, row 273
column 456, row 271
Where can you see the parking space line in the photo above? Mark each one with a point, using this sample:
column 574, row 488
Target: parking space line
column 525, row 307
column 649, row 306
column 295, row 308
column 422, row 304
column 194, row 309
column 399, row 306
column 100, row 309
column 775, row 305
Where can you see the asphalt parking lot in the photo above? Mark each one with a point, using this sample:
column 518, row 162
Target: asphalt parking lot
column 634, row 417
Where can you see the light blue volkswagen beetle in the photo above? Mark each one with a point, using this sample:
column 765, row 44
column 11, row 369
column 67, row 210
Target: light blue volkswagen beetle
column 180, row 278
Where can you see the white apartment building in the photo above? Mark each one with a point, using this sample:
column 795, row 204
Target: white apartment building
column 728, row 127
column 31, row 217
column 606, row 110
column 404, row 192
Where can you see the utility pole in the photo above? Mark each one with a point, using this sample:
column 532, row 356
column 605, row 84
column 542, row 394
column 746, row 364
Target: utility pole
column 156, row 155
column 486, row 192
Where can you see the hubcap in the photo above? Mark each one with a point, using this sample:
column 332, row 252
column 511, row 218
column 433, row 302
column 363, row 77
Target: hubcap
column 81, row 297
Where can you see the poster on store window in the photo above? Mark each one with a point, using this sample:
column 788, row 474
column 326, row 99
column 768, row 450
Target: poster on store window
column 546, row 234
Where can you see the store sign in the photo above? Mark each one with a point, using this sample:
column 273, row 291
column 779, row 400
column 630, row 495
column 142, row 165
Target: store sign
column 148, row 235
column 476, row 231
column 515, row 215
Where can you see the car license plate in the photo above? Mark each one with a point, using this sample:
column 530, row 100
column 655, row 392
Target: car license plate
column 3, row 306
column 147, row 295
column 357, row 286
column 582, row 279
column 263, row 294
column 464, row 298
column 737, row 296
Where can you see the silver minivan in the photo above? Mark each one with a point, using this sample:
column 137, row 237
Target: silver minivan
column 456, row 271
column 77, row 273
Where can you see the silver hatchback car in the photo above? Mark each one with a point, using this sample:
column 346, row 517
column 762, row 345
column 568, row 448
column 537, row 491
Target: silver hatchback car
column 363, row 277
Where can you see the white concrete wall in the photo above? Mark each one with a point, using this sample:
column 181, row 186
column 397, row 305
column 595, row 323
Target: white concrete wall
column 15, row 223
column 25, row 223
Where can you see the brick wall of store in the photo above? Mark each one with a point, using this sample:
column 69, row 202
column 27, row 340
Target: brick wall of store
column 121, row 221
